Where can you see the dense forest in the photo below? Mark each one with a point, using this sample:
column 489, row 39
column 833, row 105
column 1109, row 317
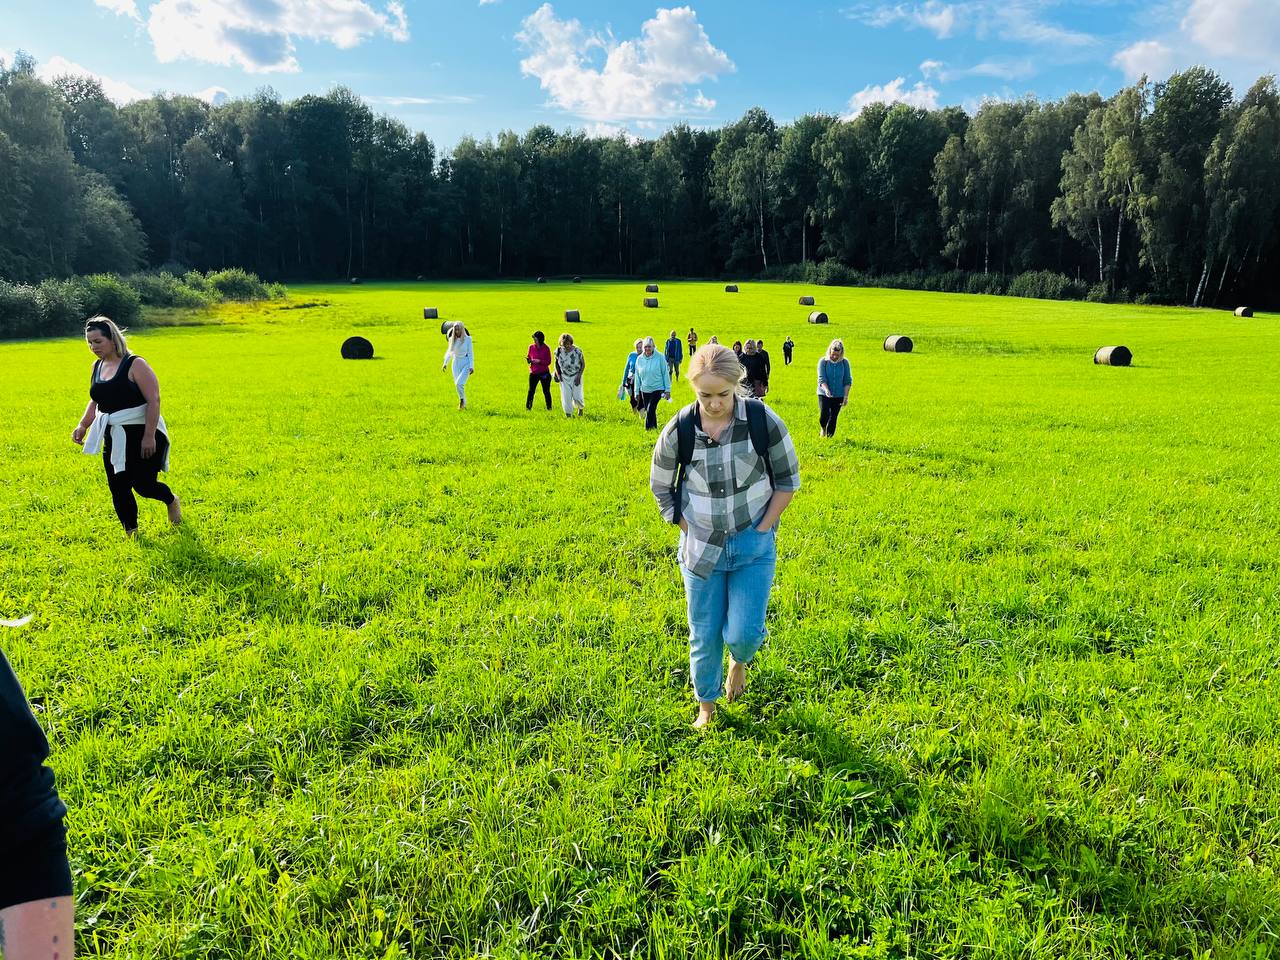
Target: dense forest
column 1168, row 190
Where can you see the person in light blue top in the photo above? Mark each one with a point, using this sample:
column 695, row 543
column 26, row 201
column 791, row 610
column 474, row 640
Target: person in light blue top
column 653, row 381
column 835, row 380
column 628, row 387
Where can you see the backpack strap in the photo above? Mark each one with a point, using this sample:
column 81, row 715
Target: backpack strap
column 684, row 453
column 758, row 427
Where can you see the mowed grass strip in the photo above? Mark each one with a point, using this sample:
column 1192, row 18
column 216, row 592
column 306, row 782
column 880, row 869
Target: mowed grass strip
column 413, row 682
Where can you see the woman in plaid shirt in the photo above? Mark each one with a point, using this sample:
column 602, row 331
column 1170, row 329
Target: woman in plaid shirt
column 728, row 512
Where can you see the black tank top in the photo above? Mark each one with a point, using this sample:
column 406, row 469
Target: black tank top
column 118, row 393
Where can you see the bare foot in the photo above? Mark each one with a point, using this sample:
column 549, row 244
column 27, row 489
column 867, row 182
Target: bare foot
column 175, row 512
column 705, row 712
column 736, row 682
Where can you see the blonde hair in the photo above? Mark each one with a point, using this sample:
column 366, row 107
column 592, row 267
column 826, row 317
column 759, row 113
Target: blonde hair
column 749, row 347
column 107, row 328
column 566, row 339
column 457, row 331
column 638, row 344
column 836, row 344
column 717, row 360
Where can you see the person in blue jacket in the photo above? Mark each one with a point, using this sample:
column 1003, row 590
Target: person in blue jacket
column 675, row 354
column 835, row 380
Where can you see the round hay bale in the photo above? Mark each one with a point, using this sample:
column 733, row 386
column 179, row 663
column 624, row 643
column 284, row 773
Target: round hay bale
column 806, row 301
column 898, row 344
column 355, row 279
column 577, row 279
column 1116, row 356
column 1244, row 311
column 357, row 348
column 572, row 316
column 730, row 288
column 444, row 328
column 651, row 288
column 650, row 301
column 817, row 317
column 430, row 313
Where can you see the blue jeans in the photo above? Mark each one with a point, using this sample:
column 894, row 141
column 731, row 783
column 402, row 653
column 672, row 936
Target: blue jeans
column 728, row 608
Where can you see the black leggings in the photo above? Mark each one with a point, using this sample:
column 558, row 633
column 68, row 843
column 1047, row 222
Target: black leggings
column 139, row 476
column 786, row 355
column 543, row 378
column 651, row 400
column 829, row 413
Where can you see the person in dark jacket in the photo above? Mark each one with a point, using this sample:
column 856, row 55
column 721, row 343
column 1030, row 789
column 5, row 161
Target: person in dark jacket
column 755, row 376
column 37, row 912
column 674, row 353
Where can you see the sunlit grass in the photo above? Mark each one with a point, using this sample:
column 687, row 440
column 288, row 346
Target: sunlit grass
column 413, row 682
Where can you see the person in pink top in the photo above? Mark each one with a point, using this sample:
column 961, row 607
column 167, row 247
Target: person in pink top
column 539, row 360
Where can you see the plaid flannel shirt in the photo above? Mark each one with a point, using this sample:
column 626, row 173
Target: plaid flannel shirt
column 726, row 487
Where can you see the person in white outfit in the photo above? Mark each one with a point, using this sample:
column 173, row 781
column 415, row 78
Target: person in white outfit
column 570, row 364
column 460, row 354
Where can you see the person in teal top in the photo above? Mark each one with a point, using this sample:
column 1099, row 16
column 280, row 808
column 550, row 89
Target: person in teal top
column 628, row 386
column 653, row 381
column 835, row 380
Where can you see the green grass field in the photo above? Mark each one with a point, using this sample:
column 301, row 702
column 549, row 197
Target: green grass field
column 414, row 682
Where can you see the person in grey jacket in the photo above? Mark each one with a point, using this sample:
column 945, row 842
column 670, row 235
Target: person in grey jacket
column 835, row 380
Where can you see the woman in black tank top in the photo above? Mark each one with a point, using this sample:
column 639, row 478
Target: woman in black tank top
column 123, row 381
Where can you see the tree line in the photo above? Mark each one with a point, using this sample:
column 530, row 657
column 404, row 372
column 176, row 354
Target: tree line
column 1168, row 190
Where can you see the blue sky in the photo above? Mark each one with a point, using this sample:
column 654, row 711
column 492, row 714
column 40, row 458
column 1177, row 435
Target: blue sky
column 481, row 66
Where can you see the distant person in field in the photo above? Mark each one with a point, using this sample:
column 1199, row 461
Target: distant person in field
column 787, row 346
column 628, row 387
column 539, row 360
column 768, row 366
column 674, row 353
column 460, row 354
column 714, row 339
column 123, row 422
column 754, row 377
column 737, row 350
column 37, row 912
column 835, row 380
column 570, row 364
column 693, row 342
column 724, row 469
column 653, row 381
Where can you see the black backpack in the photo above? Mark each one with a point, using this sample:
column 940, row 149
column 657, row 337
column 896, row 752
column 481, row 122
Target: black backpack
column 757, row 426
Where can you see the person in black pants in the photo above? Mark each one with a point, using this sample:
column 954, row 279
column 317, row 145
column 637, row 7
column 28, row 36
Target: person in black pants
column 835, row 380
column 539, row 360
column 123, row 421
column 787, row 346
column 36, row 910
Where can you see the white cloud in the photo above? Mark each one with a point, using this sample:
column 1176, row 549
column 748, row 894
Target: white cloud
column 921, row 95
column 643, row 78
column 116, row 90
column 124, row 7
column 997, row 69
column 1235, row 28
column 213, row 96
column 259, row 35
column 1018, row 20
column 1237, row 38
column 419, row 101
column 1150, row 57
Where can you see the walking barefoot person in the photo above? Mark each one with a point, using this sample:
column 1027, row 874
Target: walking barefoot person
column 653, row 381
column 460, row 353
column 538, row 357
column 36, row 909
column 570, row 365
column 724, row 469
column 835, row 380
column 123, row 421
